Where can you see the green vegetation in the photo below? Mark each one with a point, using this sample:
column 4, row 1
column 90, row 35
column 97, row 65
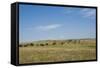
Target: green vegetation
column 57, row 50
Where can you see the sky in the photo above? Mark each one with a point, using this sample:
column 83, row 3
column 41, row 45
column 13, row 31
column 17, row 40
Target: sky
column 38, row 22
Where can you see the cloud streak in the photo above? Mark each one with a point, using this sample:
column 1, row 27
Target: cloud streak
column 85, row 12
column 88, row 12
column 48, row 27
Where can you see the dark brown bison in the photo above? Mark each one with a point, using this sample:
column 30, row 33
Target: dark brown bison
column 62, row 43
column 46, row 44
column 41, row 44
column 54, row 43
column 31, row 44
column 20, row 45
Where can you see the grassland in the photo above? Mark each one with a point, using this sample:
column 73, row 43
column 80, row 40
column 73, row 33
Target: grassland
column 57, row 50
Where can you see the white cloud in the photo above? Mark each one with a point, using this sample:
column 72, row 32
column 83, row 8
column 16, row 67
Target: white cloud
column 86, row 12
column 48, row 27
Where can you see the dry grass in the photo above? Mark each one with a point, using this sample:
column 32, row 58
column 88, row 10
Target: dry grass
column 53, row 53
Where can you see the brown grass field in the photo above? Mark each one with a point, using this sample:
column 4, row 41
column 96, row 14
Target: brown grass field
column 57, row 50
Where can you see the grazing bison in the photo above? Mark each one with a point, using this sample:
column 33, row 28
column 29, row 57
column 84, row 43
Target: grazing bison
column 25, row 45
column 20, row 45
column 54, row 43
column 62, row 43
column 69, row 41
column 46, row 44
column 31, row 44
column 41, row 44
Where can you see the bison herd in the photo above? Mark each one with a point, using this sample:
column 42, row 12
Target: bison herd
column 39, row 44
column 51, row 43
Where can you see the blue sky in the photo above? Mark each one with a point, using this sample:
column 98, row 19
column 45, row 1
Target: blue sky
column 46, row 23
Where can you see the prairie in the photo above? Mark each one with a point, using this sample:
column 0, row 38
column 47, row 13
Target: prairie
column 57, row 51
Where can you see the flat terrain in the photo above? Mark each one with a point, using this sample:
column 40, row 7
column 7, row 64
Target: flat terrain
column 57, row 50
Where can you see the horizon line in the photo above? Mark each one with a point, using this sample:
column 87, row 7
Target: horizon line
column 55, row 39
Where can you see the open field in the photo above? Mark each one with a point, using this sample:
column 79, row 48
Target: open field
column 57, row 50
